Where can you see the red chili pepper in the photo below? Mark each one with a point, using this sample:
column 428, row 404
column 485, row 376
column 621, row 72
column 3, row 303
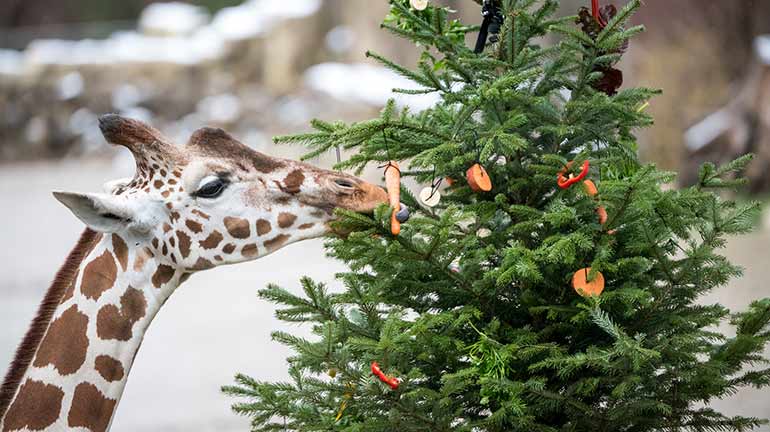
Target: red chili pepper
column 565, row 182
column 595, row 9
column 390, row 381
column 597, row 13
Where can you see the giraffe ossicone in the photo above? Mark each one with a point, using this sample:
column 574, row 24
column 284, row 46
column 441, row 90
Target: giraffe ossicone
column 211, row 202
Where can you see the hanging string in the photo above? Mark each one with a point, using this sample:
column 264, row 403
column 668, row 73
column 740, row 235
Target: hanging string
column 434, row 183
column 388, row 165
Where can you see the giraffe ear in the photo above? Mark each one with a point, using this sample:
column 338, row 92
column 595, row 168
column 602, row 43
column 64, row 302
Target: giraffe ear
column 100, row 212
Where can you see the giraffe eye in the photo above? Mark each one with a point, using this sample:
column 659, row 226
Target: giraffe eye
column 211, row 189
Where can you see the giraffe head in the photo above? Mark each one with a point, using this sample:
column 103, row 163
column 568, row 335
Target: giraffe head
column 213, row 201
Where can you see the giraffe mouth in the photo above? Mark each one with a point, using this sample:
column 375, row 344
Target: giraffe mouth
column 361, row 197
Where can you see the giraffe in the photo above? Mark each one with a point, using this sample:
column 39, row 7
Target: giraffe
column 211, row 202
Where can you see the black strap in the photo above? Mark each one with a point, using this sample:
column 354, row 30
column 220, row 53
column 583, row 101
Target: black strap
column 491, row 24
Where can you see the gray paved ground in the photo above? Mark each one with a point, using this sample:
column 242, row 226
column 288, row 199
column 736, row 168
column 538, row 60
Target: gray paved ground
column 214, row 325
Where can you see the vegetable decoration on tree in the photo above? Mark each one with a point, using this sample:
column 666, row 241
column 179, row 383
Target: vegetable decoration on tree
column 588, row 286
column 478, row 179
column 565, row 181
column 547, row 303
column 393, row 186
column 593, row 23
column 392, row 382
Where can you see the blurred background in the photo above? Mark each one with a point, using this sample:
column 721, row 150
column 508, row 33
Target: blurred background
column 264, row 67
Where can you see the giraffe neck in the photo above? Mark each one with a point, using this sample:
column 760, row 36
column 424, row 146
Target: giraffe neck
column 80, row 367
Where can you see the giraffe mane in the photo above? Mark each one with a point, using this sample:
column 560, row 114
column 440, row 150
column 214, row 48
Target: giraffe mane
column 32, row 339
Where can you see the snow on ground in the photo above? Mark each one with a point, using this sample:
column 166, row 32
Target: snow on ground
column 707, row 130
column 256, row 17
column 11, row 62
column 172, row 18
column 762, row 48
column 367, row 83
column 70, row 86
column 127, row 47
column 169, row 33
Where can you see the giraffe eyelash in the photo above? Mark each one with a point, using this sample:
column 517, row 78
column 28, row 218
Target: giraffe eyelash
column 211, row 187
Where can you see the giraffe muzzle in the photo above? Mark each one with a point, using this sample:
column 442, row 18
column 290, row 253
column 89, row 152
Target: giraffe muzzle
column 355, row 194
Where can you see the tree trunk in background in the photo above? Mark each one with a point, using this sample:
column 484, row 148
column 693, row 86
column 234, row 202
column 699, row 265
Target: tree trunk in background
column 697, row 52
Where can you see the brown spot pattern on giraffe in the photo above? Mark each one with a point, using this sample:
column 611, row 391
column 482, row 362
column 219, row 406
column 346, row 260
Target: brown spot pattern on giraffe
column 65, row 343
column 286, row 220
column 237, row 227
column 249, row 251
column 293, row 182
column 212, row 240
column 228, row 248
column 202, row 264
column 111, row 369
column 306, row 226
column 276, row 242
column 282, row 200
column 141, row 259
column 90, row 408
column 184, row 243
column 35, row 407
column 99, row 276
column 201, row 214
column 158, row 184
column 162, row 275
column 194, row 226
column 121, row 250
column 263, row 227
column 114, row 323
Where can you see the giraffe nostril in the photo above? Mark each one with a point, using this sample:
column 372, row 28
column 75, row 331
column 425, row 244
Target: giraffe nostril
column 345, row 183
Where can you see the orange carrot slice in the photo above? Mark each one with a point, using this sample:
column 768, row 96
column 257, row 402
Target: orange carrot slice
column 602, row 215
column 393, row 184
column 590, row 188
column 478, row 179
column 587, row 288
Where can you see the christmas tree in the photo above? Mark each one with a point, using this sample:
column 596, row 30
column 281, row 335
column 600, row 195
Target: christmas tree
column 555, row 285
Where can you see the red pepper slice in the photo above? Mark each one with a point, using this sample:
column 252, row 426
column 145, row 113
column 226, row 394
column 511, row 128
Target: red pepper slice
column 596, row 14
column 390, row 381
column 565, row 182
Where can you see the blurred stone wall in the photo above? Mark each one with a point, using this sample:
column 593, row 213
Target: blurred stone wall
column 177, row 78
column 241, row 69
